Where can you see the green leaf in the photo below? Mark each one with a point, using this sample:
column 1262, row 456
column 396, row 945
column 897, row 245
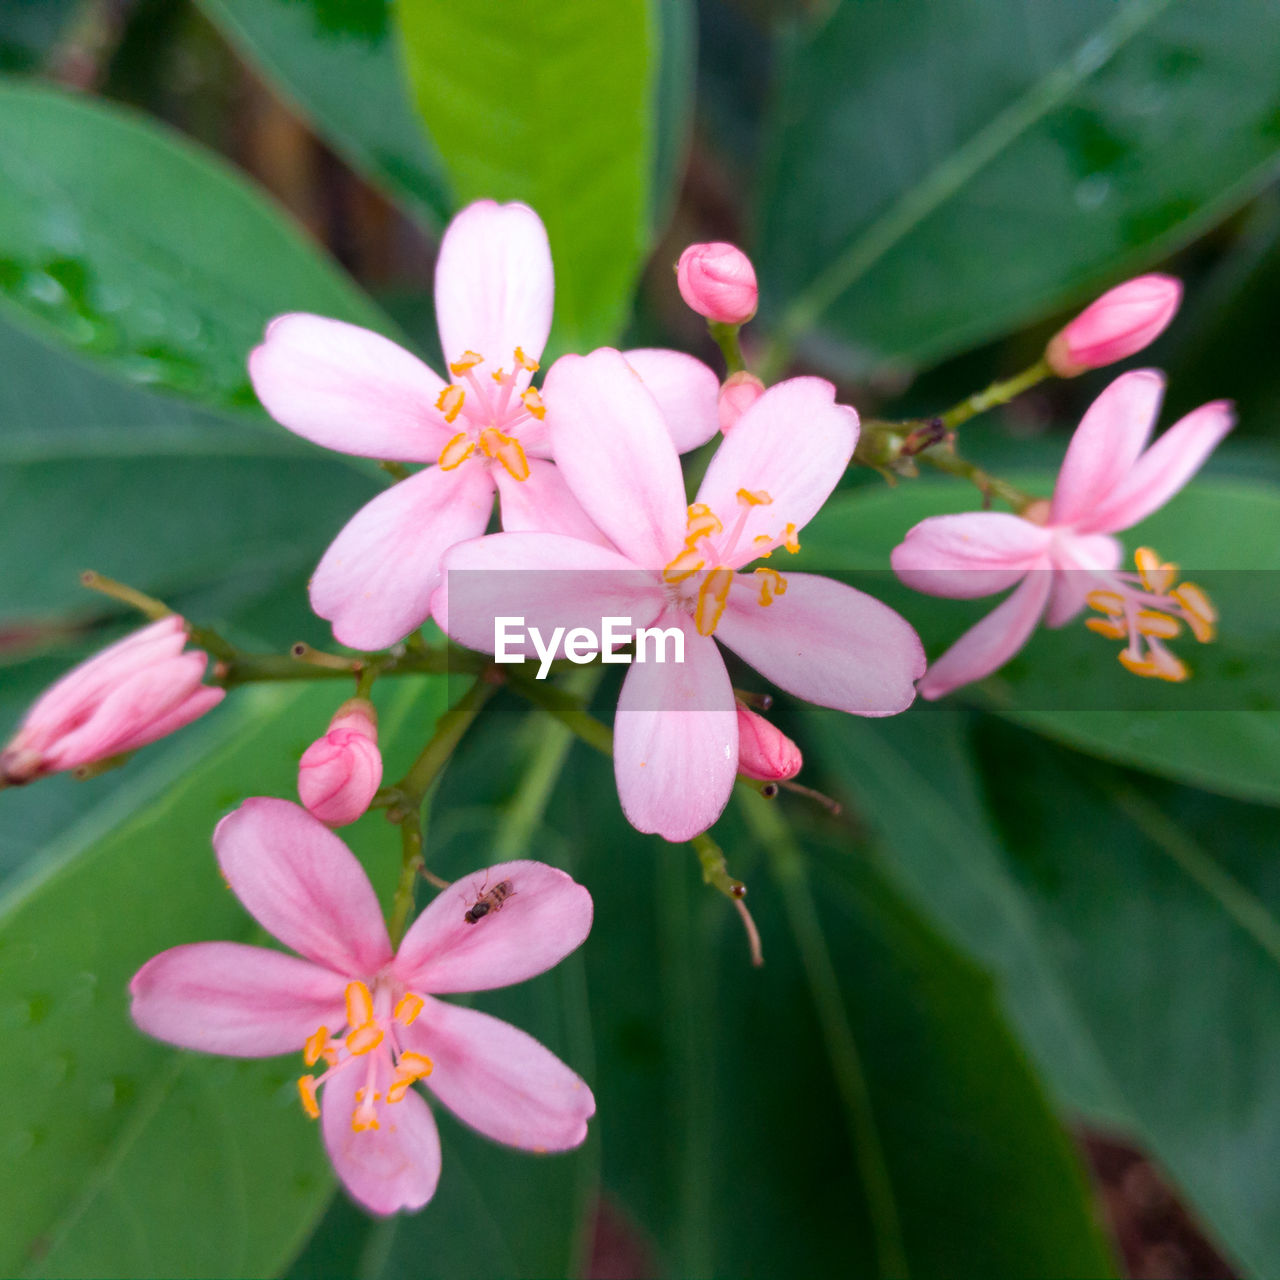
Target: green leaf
column 943, row 172
column 550, row 104
column 674, row 94
column 146, row 253
column 338, row 63
column 28, row 32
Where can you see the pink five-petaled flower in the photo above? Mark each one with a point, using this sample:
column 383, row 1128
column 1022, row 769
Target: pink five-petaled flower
column 676, row 566
column 1118, row 324
column 340, row 773
column 1109, row 481
column 368, row 1013
column 355, row 391
column 133, row 692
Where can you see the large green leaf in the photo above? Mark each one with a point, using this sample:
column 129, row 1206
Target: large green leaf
column 339, row 64
column 551, row 104
column 945, row 172
column 145, row 252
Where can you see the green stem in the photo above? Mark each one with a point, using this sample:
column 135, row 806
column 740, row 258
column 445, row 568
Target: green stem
column 411, row 863
column 989, row 485
column 255, row 668
column 996, row 394
column 146, row 605
column 567, row 709
column 726, row 338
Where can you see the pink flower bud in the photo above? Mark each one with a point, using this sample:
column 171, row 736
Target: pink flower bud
column 764, row 751
column 133, row 692
column 1124, row 320
column 339, row 774
column 740, row 391
column 718, row 281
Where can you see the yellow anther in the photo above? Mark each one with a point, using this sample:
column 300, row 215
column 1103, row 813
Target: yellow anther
column 498, row 375
column 315, row 1047
column 1160, row 665
column 456, row 452
column 364, row 1038
column 307, row 1092
column 1108, row 627
column 1151, row 623
column 507, row 450
column 530, row 366
column 414, row 1066
column 772, row 585
column 467, row 361
column 789, row 539
column 533, row 402
column 407, row 1008
column 713, row 595
column 754, row 497
column 398, row 1088
column 359, row 1004
column 1108, row 602
column 685, row 565
column 703, row 522
column 363, row 1119
column 1156, row 577
column 450, row 401
column 1200, row 613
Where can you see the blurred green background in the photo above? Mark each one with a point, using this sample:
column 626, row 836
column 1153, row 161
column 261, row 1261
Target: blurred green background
column 1021, row 1008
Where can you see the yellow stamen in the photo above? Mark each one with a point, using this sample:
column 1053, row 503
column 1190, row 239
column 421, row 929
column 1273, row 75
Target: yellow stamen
column 363, row 1119
column 1107, row 627
column 468, row 360
column 1108, row 602
column 398, row 1088
column 533, row 402
column 1156, row 577
column 530, row 366
column 772, row 585
column 789, row 539
column 359, row 1004
column 450, row 401
column 1201, row 615
column 407, row 1008
column 315, row 1047
column 685, row 565
column 754, row 497
column 364, row 1038
column 703, row 522
column 307, row 1092
column 414, row 1066
column 456, row 452
column 497, row 375
column 713, row 595
column 1165, row 667
column 1151, row 623
column 507, row 450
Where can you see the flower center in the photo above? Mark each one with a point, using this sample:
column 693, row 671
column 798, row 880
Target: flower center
column 492, row 409
column 370, row 1034
column 704, row 570
column 1146, row 609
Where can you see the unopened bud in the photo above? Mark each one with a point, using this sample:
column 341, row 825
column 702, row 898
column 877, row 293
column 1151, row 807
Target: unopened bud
column 340, row 773
column 1121, row 322
column 764, row 751
column 738, row 394
column 718, row 281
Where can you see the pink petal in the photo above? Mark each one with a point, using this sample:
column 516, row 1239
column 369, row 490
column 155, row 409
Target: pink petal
column 376, row 580
column 794, row 443
column 303, row 885
column 826, row 643
column 1164, row 468
column 543, row 504
column 393, row 1167
column 675, row 749
column 500, row 1080
column 993, row 641
column 613, row 449
column 200, row 700
column 494, row 284
column 545, row 916
column 546, row 579
column 1074, row 556
column 349, row 389
column 224, row 997
column 974, row 554
column 1105, row 445
column 687, row 392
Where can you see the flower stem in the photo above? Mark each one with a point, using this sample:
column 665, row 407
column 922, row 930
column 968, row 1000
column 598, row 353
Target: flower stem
column 715, row 872
column 990, row 486
column 726, row 338
column 996, row 394
column 306, row 663
column 148, row 606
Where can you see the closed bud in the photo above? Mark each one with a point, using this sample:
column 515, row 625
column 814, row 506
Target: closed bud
column 340, row 773
column 740, row 391
column 1121, row 322
column 764, row 751
column 718, row 281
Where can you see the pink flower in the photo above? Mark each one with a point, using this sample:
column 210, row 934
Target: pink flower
column 368, row 1013
column 764, row 751
column 339, row 774
column 133, row 692
column 740, row 391
column 676, row 566
column 355, row 391
column 1109, row 481
column 718, row 281
column 1121, row 322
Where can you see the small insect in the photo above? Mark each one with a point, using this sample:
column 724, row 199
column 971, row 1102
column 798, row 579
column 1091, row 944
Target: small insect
column 490, row 901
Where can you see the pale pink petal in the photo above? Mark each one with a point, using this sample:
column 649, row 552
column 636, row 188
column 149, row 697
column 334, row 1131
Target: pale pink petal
column 612, row 446
column 395, row 1166
column 545, row 915
column 676, row 739
column 500, row 1080
column 1075, row 557
column 200, row 700
column 687, row 392
column 303, row 885
column 376, row 580
column 827, row 643
column 1164, row 468
column 543, row 504
column 546, row 579
column 793, row 444
column 1105, row 445
column 225, row 997
column 973, row 554
column 494, row 284
column 349, row 389
column 993, row 641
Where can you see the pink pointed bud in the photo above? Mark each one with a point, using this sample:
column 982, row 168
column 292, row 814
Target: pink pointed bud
column 739, row 393
column 764, row 751
column 718, row 281
column 339, row 774
column 133, row 692
column 1124, row 320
